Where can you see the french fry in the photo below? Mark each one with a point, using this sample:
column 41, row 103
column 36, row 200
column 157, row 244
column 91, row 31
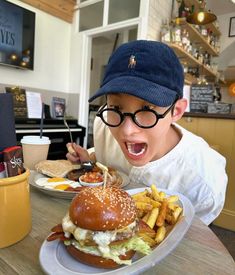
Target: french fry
column 150, row 241
column 144, row 228
column 173, row 198
column 143, row 206
column 146, row 216
column 140, row 194
column 176, row 213
column 160, row 235
column 172, row 206
column 147, row 200
column 153, row 217
column 155, row 204
column 155, row 193
column 162, row 195
column 162, row 214
column 169, row 219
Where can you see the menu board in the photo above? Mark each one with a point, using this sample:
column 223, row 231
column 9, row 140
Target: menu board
column 200, row 96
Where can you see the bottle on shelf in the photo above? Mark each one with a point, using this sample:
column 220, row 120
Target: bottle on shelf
column 204, row 31
column 196, row 53
column 212, row 39
column 207, row 59
column 184, row 39
column 190, row 48
column 201, row 56
column 165, row 32
column 181, row 10
column 217, row 44
column 177, row 33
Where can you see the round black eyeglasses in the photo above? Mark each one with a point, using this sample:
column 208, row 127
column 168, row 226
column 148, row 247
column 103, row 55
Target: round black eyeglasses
column 144, row 118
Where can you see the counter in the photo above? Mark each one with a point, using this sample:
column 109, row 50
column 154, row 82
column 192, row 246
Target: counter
column 207, row 115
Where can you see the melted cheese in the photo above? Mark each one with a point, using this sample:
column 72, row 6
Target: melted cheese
column 68, row 226
column 80, row 234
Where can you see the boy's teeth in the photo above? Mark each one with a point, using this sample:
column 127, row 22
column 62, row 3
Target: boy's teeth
column 136, row 148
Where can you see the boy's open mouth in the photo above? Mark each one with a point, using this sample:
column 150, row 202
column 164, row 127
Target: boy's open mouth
column 136, row 149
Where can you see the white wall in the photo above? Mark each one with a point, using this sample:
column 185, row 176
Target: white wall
column 227, row 52
column 51, row 57
column 158, row 11
column 226, row 41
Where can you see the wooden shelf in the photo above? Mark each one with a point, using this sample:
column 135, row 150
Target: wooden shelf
column 189, row 79
column 194, row 35
column 187, row 58
column 196, row 4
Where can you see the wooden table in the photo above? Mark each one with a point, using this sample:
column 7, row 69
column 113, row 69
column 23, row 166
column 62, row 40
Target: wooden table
column 200, row 251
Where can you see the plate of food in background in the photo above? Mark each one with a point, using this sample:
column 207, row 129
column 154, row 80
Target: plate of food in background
column 60, row 178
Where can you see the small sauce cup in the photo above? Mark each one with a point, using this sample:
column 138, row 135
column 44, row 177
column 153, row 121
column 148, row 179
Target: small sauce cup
column 91, row 179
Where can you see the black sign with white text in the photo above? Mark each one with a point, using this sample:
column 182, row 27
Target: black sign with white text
column 200, row 96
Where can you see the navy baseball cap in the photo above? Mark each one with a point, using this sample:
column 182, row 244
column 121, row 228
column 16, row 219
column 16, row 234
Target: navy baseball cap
column 149, row 70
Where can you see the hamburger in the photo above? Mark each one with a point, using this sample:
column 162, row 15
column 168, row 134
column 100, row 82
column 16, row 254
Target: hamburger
column 100, row 228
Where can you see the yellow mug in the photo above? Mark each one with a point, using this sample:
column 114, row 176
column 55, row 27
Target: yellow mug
column 15, row 210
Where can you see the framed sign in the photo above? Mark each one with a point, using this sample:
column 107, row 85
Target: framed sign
column 231, row 27
column 19, row 101
column 58, row 107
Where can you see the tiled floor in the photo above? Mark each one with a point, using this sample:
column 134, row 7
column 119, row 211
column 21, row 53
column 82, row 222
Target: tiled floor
column 227, row 237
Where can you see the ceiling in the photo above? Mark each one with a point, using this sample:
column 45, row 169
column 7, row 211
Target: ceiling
column 63, row 9
column 220, row 7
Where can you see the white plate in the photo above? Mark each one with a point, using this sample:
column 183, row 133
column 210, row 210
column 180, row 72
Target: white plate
column 64, row 194
column 54, row 258
column 52, row 192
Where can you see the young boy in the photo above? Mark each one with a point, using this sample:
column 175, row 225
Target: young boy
column 135, row 131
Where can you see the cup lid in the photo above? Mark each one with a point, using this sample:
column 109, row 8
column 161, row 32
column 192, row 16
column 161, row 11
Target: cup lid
column 35, row 140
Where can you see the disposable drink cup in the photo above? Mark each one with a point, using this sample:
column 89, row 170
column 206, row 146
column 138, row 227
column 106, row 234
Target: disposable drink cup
column 35, row 149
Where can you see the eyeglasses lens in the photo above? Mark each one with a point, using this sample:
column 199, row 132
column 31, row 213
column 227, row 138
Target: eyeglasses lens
column 112, row 117
column 145, row 118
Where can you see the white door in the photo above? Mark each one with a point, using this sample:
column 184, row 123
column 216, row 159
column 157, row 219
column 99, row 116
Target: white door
column 90, row 40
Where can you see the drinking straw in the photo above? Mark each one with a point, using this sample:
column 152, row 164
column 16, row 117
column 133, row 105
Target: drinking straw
column 41, row 122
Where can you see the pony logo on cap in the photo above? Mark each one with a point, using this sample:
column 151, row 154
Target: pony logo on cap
column 132, row 62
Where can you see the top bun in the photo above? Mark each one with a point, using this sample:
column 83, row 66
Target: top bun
column 102, row 209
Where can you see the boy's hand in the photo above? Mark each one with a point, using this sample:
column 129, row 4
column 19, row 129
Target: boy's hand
column 78, row 154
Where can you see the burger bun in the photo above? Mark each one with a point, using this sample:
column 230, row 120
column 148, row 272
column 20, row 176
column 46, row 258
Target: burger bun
column 96, row 261
column 101, row 209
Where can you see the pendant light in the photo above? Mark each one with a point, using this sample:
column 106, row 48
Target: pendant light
column 201, row 17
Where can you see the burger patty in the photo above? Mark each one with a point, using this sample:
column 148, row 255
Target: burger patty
column 120, row 236
column 89, row 237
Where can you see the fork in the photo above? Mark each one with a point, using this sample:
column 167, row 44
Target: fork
column 88, row 165
column 70, row 148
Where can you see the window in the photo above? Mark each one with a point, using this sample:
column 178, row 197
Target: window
column 91, row 16
column 120, row 10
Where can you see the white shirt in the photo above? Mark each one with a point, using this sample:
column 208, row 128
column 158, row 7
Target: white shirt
column 192, row 168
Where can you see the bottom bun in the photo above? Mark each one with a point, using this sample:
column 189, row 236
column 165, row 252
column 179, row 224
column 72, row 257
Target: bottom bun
column 96, row 261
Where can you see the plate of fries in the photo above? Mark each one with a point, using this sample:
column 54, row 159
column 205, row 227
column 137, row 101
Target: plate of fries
column 165, row 217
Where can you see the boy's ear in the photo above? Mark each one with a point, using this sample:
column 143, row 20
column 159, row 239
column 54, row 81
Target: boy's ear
column 179, row 109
